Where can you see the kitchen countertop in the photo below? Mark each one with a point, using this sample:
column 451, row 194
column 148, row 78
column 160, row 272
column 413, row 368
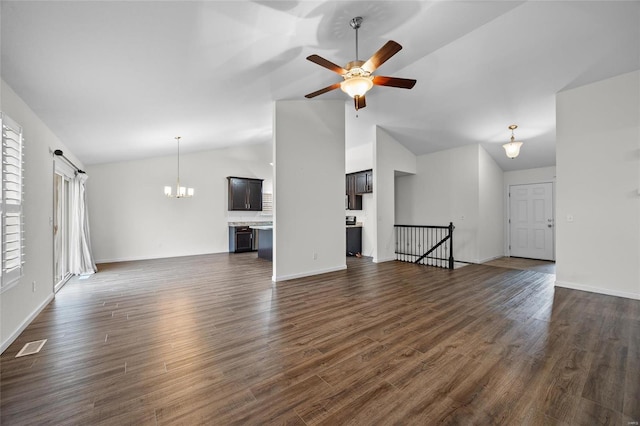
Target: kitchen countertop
column 269, row 225
column 253, row 223
column 262, row 227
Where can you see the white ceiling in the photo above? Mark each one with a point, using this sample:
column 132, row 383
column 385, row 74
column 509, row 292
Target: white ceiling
column 117, row 80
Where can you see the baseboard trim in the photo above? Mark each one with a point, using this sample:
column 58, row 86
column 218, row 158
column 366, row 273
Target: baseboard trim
column 25, row 324
column 307, row 274
column 383, row 259
column 133, row 259
column 598, row 290
column 488, row 259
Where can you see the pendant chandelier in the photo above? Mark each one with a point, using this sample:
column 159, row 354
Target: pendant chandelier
column 512, row 148
column 181, row 191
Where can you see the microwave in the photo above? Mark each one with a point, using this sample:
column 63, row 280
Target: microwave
column 351, row 220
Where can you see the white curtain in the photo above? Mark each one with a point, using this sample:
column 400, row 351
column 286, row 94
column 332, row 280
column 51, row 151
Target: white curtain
column 80, row 258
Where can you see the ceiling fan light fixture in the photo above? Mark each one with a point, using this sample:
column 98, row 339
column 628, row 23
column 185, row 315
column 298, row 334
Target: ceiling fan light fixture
column 512, row 148
column 356, row 86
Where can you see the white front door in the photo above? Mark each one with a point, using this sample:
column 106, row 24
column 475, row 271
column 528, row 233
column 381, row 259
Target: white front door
column 531, row 225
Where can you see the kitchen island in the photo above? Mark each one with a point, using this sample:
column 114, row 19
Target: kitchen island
column 265, row 241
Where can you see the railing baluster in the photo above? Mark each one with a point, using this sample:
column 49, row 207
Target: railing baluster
column 429, row 240
column 404, row 247
column 439, row 248
column 437, row 262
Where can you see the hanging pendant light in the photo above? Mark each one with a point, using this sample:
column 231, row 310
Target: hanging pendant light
column 512, row 148
column 181, row 191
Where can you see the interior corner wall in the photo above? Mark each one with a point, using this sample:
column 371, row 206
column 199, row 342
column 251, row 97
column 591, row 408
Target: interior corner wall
column 445, row 189
column 309, row 168
column 598, row 187
column 491, row 208
column 389, row 157
column 21, row 303
column 132, row 219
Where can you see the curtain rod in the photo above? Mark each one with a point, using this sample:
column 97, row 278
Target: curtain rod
column 59, row 153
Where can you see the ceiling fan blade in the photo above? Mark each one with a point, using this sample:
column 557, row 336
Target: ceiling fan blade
column 403, row 83
column 327, row 64
column 321, row 91
column 359, row 102
column 381, row 56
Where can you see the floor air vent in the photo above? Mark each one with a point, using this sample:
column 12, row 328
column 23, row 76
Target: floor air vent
column 31, row 348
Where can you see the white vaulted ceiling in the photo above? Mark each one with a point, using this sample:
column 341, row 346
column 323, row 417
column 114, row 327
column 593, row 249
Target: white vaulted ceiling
column 117, row 80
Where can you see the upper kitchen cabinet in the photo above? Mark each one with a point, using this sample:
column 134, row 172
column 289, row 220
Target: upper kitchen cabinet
column 364, row 182
column 245, row 193
column 357, row 184
column 353, row 201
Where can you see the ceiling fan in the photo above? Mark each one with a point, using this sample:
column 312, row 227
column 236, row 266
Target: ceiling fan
column 357, row 74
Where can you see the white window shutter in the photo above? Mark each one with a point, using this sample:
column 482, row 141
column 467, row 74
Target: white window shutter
column 12, row 224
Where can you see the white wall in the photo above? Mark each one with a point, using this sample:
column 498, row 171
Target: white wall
column 389, row 157
column 597, row 160
column 525, row 177
column 445, row 189
column 309, row 182
column 491, row 208
column 131, row 218
column 358, row 132
column 359, row 157
column 20, row 304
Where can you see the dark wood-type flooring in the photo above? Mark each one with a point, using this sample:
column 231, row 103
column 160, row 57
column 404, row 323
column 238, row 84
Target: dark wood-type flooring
column 524, row 264
column 211, row 340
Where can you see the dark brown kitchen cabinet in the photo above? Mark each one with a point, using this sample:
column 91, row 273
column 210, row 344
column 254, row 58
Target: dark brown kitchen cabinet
column 245, row 193
column 357, row 184
column 353, row 201
column 364, row 182
column 242, row 238
column 354, row 240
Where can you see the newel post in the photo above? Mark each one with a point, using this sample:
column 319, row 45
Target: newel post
column 451, row 228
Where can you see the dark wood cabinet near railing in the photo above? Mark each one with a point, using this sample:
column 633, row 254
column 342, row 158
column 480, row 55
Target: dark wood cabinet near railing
column 245, row 193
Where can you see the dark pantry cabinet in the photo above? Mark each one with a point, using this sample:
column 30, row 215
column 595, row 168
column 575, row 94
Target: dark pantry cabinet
column 245, row 193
